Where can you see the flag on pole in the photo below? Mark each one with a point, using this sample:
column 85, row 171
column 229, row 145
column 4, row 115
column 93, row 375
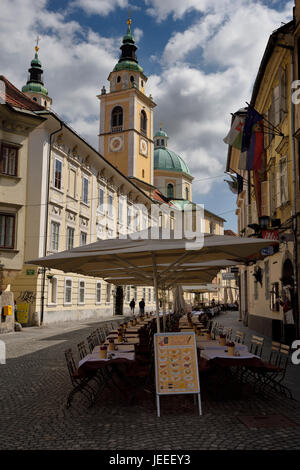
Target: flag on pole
column 234, row 137
column 236, row 185
column 253, row 138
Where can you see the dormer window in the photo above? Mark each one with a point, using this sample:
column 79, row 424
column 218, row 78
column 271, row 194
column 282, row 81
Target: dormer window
column 143, row 122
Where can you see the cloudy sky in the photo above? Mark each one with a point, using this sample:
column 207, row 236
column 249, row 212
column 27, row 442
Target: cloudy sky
column 201, row 58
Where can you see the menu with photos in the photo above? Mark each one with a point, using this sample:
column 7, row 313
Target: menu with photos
column 176, row 363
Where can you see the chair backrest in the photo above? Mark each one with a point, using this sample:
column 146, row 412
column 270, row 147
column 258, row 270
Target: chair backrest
column 70, row 363
column 82, row 349
column 256, row 345
column 239, row 337
column 228, row 333
column 95, row 337
column 274, row 353
column 284, row 354
column 91, row 344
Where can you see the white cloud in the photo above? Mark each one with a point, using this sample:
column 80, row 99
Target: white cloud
column 137, row 34
column 100, row 7
column 76, row 62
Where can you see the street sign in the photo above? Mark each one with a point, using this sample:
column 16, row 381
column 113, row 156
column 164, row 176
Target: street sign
column 268, row 251
column 176, row 365
column 228, row 276
column 270, row 234
column 30, row 272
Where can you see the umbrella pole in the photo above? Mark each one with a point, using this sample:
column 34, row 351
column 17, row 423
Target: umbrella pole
column 156, row 292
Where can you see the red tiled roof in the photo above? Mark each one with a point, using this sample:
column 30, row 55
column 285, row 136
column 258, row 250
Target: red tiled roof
column 158, row 196
column 230, row 232
column 16, row 98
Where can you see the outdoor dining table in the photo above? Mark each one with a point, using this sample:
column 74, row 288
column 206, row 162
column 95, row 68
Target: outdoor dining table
column 93, row 361
column 128, row 340
column 125, row 347
column 213, row 344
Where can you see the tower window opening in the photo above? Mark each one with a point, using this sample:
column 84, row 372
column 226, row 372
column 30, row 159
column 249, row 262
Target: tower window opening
column 117, row 118
column 34, row 98
column 142, row 83
column 170, row 190
column 131, row 78
column 143, row 173
column 143, row 122
column 118, row 79
column 187, row 194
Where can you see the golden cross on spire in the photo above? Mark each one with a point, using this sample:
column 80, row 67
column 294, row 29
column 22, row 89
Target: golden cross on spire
column 129, row 17
column 37, row 43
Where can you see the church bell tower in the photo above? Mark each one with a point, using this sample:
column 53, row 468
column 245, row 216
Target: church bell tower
column 126, row 116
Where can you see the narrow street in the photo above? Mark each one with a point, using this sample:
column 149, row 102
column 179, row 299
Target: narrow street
column 35, row 385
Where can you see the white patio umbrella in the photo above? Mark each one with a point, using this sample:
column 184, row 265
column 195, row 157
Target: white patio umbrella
column 156, row 260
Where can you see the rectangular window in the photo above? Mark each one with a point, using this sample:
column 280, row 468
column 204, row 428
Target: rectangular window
column 98, row 292
column 54, row 236
column 284, row 182
column 83, row 238
column 255, row 290
column 128, row 294
column 70, row 238
column 135, row 293
column 108, row 289
column 144, row 293
column 68, row 291
column 110, row 205
column 72, row 183
column 274, row 297
column 101, row 199
column 121, row 211
column 149, row 295
column 129, row 217
column 7, row 230
column 57, row 173
column 8, row 160
column 81, row 296
column 52, row 290
column 85, row 190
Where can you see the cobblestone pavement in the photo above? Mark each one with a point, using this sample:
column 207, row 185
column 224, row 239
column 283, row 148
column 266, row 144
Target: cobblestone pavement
column 35, row 384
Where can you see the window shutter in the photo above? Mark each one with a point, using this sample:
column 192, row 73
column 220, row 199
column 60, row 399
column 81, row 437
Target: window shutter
column 265, row 208
column 277, row 192
column 276, row 103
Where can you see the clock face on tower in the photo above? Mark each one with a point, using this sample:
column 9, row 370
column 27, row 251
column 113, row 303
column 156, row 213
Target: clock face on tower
column 115, row 144
column 144, row 147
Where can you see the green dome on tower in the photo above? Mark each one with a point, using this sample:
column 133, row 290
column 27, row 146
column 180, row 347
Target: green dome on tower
column 35, row 82
column 165, row 159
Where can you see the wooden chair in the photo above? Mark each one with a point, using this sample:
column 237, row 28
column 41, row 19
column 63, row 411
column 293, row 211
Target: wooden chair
column 79, row 382
column 239, row 337
column 256, row 345
column 82, row 349
column 91, row 343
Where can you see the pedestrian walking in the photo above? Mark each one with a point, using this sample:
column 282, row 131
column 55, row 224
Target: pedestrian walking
column 142, row 306
column 132, row 306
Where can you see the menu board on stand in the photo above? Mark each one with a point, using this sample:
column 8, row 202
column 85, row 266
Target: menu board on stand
column 176, row 366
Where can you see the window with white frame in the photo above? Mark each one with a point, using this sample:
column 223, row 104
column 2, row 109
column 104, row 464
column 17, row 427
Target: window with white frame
column 70, row 238
column 83, row 238
column 58, row 173
column 149, row 295
column 55, row 226
column 72, row 182
column 121, row 206
column 8, row 160
column 144, row 293
column 135, row 293
column 68, row 291
column 81, row 293
column 98, row 292
column 85, row 189
column 52, row 291
column 110, row 201
column 101, row 199
column 128, row 294
column 284, row 181
column 108, row 292
column 129, row 216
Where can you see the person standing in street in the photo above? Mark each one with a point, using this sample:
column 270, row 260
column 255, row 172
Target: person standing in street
column 142, row 306
column 132, row 306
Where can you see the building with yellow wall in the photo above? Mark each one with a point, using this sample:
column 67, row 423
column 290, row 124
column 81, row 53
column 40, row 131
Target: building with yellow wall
column 271, row 213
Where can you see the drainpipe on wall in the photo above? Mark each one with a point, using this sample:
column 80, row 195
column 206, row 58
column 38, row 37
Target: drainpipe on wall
column 46, row 223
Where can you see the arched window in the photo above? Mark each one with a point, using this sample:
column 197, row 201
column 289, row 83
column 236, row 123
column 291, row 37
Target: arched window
column 143, row 122
column 187, row 195
column 118, row 79
column 117, row 117
column 170, row 190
